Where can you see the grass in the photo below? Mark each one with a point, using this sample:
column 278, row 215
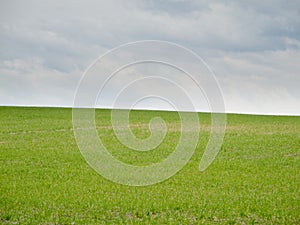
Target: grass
column 45, row 180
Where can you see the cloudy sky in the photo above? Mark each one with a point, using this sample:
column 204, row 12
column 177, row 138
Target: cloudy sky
column 253, row 47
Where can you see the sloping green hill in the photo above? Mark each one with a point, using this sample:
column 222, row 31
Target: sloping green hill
column 45, row 180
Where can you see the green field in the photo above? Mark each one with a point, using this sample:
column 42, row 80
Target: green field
column 45, row 180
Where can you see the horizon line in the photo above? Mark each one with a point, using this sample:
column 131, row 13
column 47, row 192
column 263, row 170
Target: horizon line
column 149, row 109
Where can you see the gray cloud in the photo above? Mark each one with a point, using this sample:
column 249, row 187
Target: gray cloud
column 253, row 46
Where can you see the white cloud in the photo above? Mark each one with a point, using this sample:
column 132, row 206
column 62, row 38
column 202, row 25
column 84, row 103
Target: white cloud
column 28, row 82
column 252, row 46
column 260, row 82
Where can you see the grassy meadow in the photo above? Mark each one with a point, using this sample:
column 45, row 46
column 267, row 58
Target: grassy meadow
column 45, row 180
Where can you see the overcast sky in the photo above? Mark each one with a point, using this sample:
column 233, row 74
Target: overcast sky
column 253, row 47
